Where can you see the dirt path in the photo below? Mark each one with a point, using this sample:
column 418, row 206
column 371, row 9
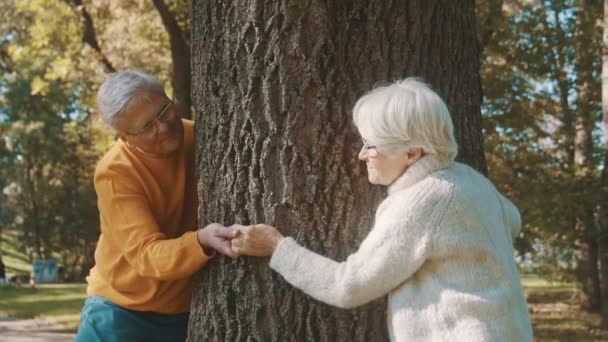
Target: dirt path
column 32, row 330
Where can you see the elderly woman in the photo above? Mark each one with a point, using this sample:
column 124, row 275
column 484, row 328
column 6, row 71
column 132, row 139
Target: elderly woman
column 140, row 286
column 441, row 245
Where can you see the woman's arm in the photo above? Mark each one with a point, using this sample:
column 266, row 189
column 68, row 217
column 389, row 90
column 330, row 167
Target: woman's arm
column 396, row 247
column 511, row 214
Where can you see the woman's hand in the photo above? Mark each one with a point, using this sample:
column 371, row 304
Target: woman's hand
column 256, row 240
column 216, row 237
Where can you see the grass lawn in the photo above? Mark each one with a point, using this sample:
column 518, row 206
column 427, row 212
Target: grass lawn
column 554, row 309
column 58, row 303
column 14, row 258
column 556, row 314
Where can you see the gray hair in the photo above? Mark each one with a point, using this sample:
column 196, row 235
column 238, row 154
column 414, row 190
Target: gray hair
column 406, row 114
column 120, row 89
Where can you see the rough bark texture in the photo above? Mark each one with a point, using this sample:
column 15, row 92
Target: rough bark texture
column 587, row 244
column 180, row 56
column 274, row 84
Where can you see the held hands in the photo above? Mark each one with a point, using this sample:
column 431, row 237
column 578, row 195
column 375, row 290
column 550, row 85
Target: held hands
column 216, row 237
column 256, row 240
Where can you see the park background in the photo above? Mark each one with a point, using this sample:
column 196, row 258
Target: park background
column 544, row 139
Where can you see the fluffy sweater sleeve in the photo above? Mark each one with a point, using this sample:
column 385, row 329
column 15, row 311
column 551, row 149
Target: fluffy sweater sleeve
column 399, row 243
column 511, row 215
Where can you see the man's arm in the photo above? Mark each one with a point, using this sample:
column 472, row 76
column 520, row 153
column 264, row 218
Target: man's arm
column 132, row 227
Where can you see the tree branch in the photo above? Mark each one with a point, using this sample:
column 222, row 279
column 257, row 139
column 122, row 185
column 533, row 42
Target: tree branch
column 180, row 55
column 89, row 36
column 489, row 24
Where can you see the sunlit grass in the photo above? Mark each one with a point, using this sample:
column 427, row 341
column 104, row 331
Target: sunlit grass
column 58, row 303
column 556, row 313
column 554, row 307
column 530, row 281
column 14, row 258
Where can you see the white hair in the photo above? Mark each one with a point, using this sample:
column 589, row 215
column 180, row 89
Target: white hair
column 122, row 88
column 406, row 114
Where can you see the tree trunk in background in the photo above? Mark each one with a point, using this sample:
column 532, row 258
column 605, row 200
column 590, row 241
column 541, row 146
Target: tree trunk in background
column 489, row 16
column 586, row 245
column 180, row 57
column 603, row 214
column 273, row 88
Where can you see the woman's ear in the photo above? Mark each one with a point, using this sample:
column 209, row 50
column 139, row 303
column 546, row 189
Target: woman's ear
column 414, row 154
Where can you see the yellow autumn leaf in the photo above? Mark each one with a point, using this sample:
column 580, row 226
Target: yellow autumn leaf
column 39, row 86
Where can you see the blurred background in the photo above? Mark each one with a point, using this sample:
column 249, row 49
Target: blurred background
column 545, row 142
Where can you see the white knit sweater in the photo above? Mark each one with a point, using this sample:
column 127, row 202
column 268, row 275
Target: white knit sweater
column 441, row 248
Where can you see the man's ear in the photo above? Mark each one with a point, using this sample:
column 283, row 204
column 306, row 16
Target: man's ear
column 119, row 135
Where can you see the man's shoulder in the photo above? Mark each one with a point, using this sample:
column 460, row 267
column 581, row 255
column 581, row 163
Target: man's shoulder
column 113, row 161
column 188, row 124
column 189, row 140
column 188, row 131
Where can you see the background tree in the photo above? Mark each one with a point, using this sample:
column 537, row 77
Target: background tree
column 541, row 84
column 274, row 85
column 587, row 116
column 53, row 55
column 180, row 56
column 603, row 207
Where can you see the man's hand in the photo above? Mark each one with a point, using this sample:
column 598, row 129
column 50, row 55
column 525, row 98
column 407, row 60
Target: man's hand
column 216, row 237
column 257, row 240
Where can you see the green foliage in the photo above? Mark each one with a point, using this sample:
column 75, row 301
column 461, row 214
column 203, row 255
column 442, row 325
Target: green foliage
column 51, row 135
column 52, row 150
column 530, row 75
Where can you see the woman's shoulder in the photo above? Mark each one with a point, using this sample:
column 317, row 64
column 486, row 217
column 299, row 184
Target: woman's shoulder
column 466, row 180
column 428, row 195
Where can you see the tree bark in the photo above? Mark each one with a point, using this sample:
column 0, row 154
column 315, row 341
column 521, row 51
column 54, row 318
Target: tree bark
column 274, row 84
column 180, row 56
column 586, row 245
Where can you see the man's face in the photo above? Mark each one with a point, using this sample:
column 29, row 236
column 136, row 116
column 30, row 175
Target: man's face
column 153, row 127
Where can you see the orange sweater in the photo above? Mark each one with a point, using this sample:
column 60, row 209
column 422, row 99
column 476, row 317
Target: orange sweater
column 147, row 250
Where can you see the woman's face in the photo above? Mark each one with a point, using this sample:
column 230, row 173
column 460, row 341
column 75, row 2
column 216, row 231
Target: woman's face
column 385, row 166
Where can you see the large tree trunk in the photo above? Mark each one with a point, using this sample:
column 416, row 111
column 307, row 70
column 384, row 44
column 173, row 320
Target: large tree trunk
column 274, row 84
column 586, row 244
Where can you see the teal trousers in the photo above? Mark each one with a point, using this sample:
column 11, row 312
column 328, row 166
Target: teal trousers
column 102, row 320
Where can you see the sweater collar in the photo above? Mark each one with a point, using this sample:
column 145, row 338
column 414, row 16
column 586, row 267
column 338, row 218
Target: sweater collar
column 418, row 171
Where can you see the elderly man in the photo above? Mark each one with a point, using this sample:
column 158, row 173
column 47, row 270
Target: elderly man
column 140, row 287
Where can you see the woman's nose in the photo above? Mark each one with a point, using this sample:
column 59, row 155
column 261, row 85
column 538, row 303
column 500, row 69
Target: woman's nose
column 363, row 154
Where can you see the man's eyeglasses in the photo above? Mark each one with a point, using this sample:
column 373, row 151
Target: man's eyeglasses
column 159, row 117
